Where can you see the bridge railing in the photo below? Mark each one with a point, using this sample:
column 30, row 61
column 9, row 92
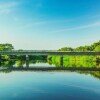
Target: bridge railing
column 47, row 52
column 44, row 51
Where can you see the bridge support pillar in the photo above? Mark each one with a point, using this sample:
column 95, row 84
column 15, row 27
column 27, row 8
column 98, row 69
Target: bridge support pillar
column 27, row 64
column 27, row 57
column 97, row 59
column 27, row 60
column 61, row 61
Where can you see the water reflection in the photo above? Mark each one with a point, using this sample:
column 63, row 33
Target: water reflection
column 76, row 64
column 55, row 83
column 95, row 74
column 48, row 86
column 44, row 63
column 22, row 65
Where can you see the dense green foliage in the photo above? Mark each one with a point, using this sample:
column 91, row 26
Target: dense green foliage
column 93, row 47
column 97, row 48
column 66, row 49
column 6, row 47
column 67, row 59
column 73, row 61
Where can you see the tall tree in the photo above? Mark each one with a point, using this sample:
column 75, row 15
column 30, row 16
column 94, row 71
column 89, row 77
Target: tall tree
column 6, row 47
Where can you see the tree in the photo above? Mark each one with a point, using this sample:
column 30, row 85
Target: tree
column 94, row 45
column 81, row 48
column 6, row 47
column 97, row 48
column 66, row 49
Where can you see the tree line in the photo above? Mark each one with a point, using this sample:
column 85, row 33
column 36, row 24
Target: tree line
column 93, row 47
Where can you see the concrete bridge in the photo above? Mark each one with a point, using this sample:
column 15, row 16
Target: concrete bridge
column 48, row 52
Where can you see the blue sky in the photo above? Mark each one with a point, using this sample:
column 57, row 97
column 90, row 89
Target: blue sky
column 49, row 24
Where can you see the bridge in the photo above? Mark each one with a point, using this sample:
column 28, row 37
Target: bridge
column 48, row 52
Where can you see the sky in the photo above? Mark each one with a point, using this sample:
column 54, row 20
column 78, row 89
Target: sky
column 49, row 24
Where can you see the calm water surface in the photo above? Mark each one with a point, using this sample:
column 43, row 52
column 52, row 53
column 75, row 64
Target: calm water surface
column 48, row 86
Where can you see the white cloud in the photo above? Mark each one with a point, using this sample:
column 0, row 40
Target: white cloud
column 5, row 11
column 45, row 22
column 6, row 8
column 79, row 27
column 7, row 5
column 34, row 24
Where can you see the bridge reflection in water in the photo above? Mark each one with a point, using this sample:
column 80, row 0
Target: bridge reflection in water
column 22, row 65
column 94, row 72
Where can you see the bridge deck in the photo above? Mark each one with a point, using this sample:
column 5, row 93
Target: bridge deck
column 46, row 52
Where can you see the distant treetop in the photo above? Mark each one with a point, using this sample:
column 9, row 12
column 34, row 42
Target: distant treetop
column 94, row 47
